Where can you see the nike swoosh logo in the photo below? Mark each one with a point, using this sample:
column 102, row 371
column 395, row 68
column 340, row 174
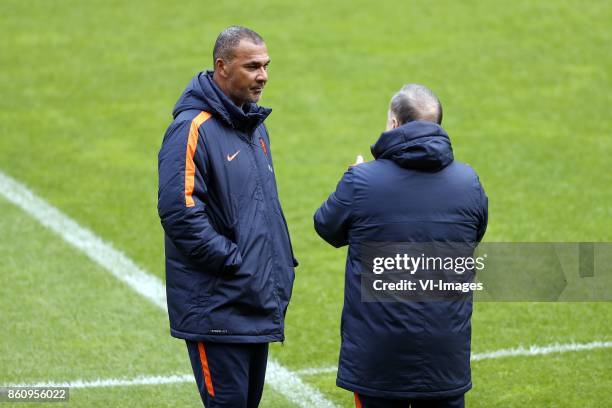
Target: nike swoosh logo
column 233, row 156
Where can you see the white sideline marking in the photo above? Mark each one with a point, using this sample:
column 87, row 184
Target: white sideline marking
column 102, row 253
column 317, row 370
column 188, row 378
column 540, row 350
column 513, row 352
column 114, row 382
column 123, row 268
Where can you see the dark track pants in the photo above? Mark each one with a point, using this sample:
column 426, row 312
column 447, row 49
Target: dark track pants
column 229, row 375
column 364, row 401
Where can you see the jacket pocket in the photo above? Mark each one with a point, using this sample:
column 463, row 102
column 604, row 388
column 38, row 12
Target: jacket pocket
column 203, row 287
column 286, row 280
column 293, row 262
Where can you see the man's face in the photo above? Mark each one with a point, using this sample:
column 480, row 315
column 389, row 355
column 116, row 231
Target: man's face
column 247, row 73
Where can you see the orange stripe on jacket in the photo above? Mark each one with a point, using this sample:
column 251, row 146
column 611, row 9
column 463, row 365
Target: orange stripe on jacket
column 192, row 144
column 205, row 370
column 357, row 401
column 263, row 145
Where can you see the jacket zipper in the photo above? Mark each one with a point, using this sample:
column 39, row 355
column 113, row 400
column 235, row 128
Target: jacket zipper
column 268, row 220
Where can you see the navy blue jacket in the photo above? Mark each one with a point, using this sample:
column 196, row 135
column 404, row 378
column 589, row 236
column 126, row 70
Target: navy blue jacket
column 413, row 192
column 229, row 261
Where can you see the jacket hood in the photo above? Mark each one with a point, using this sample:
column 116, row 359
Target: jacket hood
column 203, row 94
column 417, row 145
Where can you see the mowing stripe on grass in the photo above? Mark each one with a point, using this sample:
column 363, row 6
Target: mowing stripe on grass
column 149, row 286
column 513, row 352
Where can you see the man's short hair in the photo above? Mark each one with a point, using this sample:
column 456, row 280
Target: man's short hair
column 416, row 102
column 229, row 39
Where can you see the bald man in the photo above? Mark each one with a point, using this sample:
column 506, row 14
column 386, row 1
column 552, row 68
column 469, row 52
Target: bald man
column 405, row 353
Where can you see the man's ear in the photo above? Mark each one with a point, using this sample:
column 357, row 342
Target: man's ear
column 221, row 67
column 394, row 123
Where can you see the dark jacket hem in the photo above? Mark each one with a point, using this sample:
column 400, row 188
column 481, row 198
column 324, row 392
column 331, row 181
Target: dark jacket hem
column 403, row 394
column 228, row 338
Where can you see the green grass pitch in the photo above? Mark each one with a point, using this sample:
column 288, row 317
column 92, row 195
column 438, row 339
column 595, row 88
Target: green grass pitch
column 87, row 88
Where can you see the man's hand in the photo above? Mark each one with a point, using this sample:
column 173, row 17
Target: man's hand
column 358, row 161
